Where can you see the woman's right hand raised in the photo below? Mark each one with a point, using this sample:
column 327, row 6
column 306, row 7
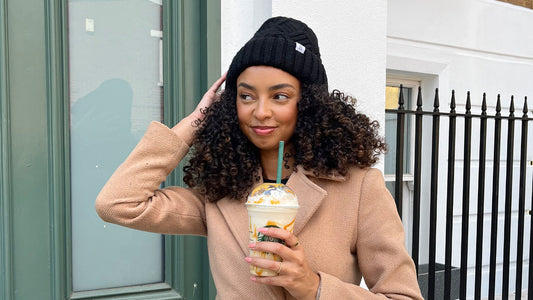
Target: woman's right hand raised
column 185, row 128
column 209, row 97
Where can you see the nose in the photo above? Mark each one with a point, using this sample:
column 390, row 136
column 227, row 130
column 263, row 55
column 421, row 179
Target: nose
column 263, row 110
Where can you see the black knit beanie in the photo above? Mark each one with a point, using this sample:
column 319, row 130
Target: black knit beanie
column 283, row 43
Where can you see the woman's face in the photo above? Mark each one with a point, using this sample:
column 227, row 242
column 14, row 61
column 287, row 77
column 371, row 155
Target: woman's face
column 267, row 109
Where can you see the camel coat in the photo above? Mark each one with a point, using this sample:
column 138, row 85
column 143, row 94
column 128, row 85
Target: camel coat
column 348, row 226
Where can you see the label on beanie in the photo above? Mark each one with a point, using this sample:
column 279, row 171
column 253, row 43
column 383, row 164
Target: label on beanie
column 300, row 48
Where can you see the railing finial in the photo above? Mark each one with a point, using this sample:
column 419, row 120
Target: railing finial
column 452, row 103
column 468, row 103
column 400, row 100
column 436, row 102
column 484, row 105
column 498, row 106
column 511, row 107
column 419, row 99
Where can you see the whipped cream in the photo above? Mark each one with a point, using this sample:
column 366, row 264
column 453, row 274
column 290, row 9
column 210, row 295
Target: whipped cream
column 276, row 194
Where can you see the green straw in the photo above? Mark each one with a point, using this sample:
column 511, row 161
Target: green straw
column 280, row 160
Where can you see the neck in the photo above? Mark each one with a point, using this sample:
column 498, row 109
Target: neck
column 269, row 164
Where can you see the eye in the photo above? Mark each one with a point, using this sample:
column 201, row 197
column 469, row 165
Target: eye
column 281, row 97
column 245, row 97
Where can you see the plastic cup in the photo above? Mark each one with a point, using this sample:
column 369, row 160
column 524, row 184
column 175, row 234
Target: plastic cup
column 271, row 213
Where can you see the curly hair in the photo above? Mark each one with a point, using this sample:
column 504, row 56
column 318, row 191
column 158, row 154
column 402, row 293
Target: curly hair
column 330, row 136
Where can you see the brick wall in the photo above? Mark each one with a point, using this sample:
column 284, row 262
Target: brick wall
column 524, row 3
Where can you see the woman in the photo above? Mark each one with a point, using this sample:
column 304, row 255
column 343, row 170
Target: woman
column 347, row 225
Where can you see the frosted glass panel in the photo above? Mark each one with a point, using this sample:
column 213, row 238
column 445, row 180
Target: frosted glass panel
column 115, row 91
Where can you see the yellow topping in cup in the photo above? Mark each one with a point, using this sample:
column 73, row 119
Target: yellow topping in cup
column 273, row 194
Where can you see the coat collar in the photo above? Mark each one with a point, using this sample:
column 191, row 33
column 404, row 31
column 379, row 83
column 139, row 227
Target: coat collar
column 309, row 194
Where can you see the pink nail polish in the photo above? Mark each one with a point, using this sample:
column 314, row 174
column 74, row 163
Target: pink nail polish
column 253, row 278
column 252, row 245
column 248, row 259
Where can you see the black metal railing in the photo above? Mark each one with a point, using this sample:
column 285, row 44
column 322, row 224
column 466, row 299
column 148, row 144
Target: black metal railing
column 484, row 119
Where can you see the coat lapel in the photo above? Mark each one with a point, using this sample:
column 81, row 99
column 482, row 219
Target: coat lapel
column 310, row 196
column 236, row 217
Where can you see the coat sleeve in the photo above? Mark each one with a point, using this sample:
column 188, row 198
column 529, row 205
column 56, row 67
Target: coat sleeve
column 132, row 196
column 387, row 268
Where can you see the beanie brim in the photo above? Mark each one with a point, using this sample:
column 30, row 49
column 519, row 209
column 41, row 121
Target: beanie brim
column 278, row 52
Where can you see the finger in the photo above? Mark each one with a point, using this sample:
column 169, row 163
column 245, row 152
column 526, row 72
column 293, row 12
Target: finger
column 267, row 264
column 216, row 85
column 269, row 280
column 291, row 241
column 271, row 247
column 286, row 253
column 211, row 94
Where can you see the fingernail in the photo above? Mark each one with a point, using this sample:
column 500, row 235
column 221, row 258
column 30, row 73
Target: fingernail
column 248, row 259
column 262, row 230
column 252, row 245
column 253, row 278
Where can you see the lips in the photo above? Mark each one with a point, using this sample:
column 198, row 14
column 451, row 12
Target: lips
column 263, row 130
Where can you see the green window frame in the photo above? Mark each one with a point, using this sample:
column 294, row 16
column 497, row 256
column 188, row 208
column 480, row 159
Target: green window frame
column 35, row 235
column 6, row 239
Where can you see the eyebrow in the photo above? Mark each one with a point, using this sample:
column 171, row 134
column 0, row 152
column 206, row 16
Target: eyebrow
column 280, row 86
column 272, row 88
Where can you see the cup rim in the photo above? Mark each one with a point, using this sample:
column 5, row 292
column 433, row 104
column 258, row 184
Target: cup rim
column 271, row 206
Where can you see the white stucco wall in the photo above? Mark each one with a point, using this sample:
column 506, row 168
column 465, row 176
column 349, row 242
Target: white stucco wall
column 475, row 45
column 351, row 37
column 239, row 20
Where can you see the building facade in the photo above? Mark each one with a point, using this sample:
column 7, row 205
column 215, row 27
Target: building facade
column 81, row 79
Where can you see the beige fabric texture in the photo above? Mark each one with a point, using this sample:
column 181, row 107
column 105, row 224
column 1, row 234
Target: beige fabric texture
column 348, row 226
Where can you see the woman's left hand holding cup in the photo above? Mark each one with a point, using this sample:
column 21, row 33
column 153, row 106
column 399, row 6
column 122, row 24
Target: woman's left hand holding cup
column 294, row 272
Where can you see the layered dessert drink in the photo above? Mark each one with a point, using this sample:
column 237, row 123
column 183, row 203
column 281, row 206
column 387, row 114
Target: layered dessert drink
column 270, row 205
